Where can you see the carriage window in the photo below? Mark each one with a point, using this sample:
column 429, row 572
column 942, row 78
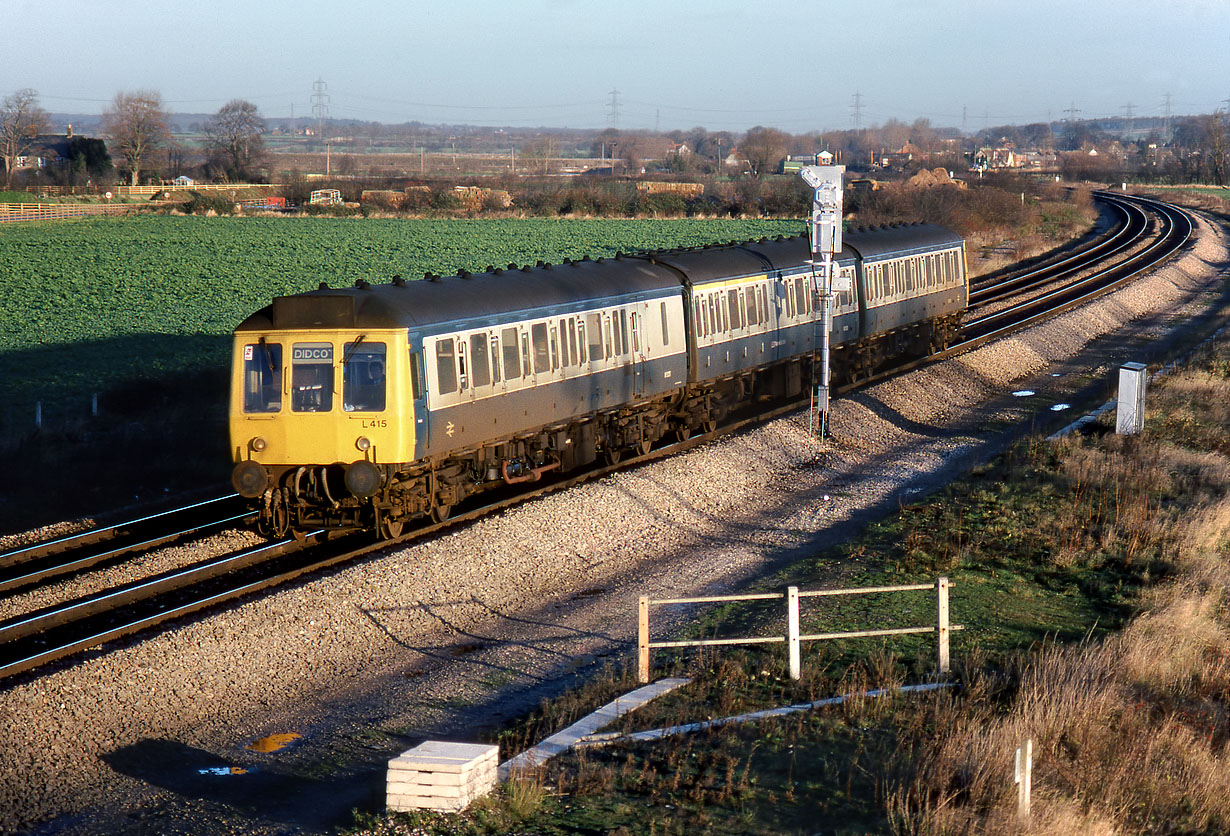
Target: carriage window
column 554, row 348
column 619, row 343
column 542, row 356
column 495, row 358
column 593, row 327
column 636, row 335
column 749, row 301
column 621, row 330
column 572, row 342
column 445, row 366
column 262, row 377
column 606, row 322
column 790, row 308
column 311, row 377
column 363, row 376
column 563, row 343
column 732, row 305
column 581, row 341
column 526, row 369
column 666, row 328
column 512, row 364
column 479, row 360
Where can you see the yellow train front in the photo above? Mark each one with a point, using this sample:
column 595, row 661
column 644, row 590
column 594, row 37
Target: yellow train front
column 305, row 380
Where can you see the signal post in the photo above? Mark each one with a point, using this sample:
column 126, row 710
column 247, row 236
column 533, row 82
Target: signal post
column 825, row 238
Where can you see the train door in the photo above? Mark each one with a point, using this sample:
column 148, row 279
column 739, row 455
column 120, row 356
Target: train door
column 418, row 395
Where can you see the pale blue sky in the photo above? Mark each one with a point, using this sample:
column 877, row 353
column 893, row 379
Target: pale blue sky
column 718, row 63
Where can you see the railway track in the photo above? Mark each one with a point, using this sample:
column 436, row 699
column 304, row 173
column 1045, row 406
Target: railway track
column 32, row 641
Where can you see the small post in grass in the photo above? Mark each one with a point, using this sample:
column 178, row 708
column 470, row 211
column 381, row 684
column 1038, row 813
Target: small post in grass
column 1024, row 777
column 792, row 632
column 942, row 629
column 642, row 639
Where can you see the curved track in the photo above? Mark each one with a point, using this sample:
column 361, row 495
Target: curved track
column 34, row 640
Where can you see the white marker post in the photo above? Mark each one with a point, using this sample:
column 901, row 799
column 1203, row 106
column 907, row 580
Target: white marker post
column 825, row 243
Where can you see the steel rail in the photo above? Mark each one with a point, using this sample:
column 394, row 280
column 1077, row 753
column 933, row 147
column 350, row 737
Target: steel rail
column 1177, row 230
column 44, row 548
column 1133, row 226
column 77, row 564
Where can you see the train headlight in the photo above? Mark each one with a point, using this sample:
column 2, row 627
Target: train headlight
column 363, row 444
column 258, row 444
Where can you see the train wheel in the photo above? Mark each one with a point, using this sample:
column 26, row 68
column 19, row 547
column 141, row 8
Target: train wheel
column 612, row 455
column 683, row 432
column 708, row 426
column 391, row 529
column 440, row 513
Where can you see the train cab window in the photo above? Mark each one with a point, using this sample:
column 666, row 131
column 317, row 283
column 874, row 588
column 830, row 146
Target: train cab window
column 666, row 327
column 593, row 327
column 542, row 351
column 262, row 377
column 363, row 376
column 480, row 367
column 311, row 377
column 446, row 367
column 512, row 360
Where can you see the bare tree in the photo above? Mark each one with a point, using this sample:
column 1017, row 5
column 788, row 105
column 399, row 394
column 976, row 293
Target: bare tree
column 21, row 121
column 764, row 148
column 233, row 137
column 137, row 124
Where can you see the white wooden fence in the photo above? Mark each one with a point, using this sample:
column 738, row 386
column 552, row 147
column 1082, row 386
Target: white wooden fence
column 793, row 638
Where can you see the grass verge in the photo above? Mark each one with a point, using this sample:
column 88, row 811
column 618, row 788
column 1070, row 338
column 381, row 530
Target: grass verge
column 1090, row 574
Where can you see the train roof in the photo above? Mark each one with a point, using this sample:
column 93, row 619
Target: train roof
column 467, row 296
column 571, row 285
column 875, row 243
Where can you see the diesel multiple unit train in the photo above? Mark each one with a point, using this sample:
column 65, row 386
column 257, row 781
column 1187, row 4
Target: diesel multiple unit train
column 370, row 406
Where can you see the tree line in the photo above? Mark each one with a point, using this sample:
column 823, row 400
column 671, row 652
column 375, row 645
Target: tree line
column 137, row 125
column 234, row 149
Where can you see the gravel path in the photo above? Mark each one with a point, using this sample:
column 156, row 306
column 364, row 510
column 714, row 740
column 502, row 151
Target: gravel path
column 463, row 631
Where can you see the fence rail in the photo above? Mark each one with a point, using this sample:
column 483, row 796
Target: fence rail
column 794, row 638
column 10, row 212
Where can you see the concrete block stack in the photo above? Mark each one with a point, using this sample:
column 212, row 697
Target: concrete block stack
column 441, row 776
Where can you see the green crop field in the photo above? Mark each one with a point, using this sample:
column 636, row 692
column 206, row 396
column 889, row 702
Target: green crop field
column 86, row 305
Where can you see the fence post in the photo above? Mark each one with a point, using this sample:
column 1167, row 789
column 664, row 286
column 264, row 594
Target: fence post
column 941, row 587
column 792, row 632
column 642, row 639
